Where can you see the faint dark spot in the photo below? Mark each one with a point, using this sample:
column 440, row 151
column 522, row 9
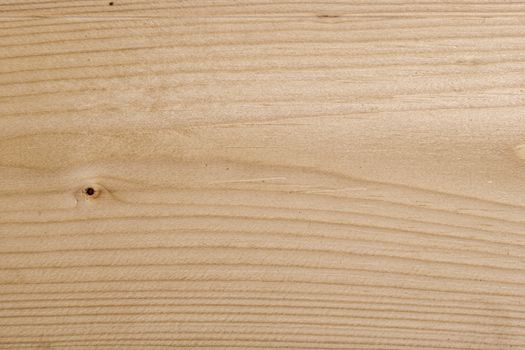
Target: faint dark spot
column 328, row 16
column 90, row 191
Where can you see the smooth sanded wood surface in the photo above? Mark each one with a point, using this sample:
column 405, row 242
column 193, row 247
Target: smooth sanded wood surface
column 262, row 174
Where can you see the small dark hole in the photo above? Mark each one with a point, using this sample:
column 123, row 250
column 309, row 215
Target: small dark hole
column 90, row 191
column 111, row 3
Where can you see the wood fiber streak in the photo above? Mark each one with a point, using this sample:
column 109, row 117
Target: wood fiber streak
column 262, row 174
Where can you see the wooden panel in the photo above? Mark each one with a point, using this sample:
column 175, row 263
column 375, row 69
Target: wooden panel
column 264, row 174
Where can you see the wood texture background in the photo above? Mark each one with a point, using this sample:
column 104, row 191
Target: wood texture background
column 268, row 174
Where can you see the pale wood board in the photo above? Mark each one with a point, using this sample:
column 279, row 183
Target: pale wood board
column 268, row 174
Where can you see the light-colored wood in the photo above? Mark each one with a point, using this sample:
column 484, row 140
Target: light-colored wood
column 293, row 175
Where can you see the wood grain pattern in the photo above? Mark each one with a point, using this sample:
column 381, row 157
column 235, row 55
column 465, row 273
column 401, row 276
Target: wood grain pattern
column 266, row 174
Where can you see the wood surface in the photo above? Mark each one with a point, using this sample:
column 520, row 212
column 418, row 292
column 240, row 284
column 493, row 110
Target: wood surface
column 262, row 174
